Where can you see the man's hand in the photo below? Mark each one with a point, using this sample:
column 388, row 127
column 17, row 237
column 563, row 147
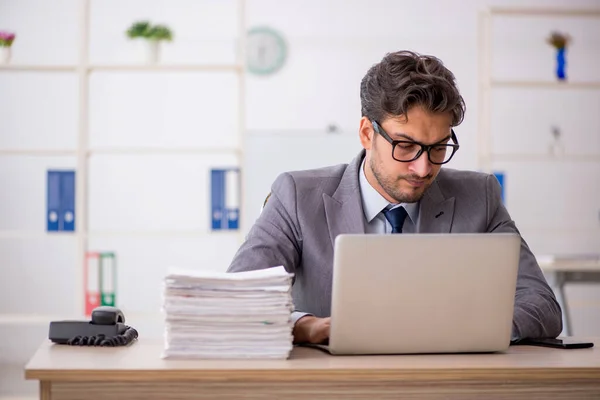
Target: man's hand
column 310, row 329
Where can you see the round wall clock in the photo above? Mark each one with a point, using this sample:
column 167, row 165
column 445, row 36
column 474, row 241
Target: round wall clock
column 266, row 51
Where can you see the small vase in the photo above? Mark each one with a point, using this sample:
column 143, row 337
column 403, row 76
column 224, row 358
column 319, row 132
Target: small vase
column 561, row 64
column 4, row 55
column 146, row 51
column 556, row 148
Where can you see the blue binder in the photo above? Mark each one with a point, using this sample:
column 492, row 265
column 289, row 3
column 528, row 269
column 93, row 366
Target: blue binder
column 60, row 204
column 500, row 177
column 53, row 200
column 225, row 198
column 67, row 203
column 217, row 184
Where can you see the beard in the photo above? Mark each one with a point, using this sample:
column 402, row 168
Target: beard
column 391, row 184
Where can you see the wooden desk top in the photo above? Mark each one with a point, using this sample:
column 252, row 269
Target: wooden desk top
column 141, row 362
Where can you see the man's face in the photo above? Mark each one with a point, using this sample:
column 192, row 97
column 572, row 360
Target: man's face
column 403, row 182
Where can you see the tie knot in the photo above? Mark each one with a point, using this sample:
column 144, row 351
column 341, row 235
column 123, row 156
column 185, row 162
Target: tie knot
column 396, row 218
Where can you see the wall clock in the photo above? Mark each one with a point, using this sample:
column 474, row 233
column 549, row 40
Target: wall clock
column 266, row 51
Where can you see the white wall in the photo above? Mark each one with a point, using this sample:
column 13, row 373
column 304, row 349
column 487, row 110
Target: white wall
column 152, row 209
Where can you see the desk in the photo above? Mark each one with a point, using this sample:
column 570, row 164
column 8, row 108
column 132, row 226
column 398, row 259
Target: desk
column 567, row 270
column 137, row 372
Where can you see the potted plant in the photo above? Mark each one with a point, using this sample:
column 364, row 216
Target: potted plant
column 147, row 38
column 560, row 41
column 6, row 41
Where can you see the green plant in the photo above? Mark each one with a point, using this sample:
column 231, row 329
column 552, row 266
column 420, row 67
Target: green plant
column 143, row 29
column 160, row 32
column 139, row 29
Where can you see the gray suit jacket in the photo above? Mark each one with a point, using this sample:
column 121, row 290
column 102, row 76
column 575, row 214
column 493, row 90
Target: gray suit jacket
column 308, row 209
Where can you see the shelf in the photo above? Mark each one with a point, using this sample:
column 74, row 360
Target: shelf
column 37, row 152
column 139, row 233
column 167, row 67
column 123, row 151
column 546, row 84
column 125, row 67
column 546, row 158
column 39, row 68
column 35, row 234
column 546, row 12
column 162, row 151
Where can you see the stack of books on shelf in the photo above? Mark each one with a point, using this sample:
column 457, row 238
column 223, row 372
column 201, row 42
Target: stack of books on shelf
column 228, row 315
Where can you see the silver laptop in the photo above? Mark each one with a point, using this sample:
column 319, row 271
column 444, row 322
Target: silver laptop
column 423, row 293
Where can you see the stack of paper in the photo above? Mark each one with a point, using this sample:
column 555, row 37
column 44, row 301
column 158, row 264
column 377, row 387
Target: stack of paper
column 228, row 315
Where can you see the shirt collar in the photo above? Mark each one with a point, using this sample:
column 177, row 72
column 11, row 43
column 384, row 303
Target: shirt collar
column 373, row 202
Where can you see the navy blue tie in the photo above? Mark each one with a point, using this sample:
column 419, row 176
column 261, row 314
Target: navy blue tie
column 396, row 218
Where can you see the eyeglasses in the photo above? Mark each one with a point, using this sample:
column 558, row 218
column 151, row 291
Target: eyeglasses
column 408, row 150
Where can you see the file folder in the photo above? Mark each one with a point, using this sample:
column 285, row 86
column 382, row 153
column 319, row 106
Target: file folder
column 53, row 200
column 225, row 198
column 91, row 277
column 108, row 277
column 500, row 177
column 217, row 183
column 67, row 203
column 60, row 203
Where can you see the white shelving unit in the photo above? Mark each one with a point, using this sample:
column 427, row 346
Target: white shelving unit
column 83, row 69
column 541, row 84
column 577, row 161
column 39, row 68
column 487, row 83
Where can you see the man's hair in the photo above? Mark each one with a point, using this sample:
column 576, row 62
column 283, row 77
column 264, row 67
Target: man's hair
column 405, row 79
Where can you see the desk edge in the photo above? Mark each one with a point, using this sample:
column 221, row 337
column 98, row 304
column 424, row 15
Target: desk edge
column 297, row 375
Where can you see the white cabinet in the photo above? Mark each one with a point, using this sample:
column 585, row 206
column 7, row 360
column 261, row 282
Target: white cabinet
column 524, row 122
column 58, row 22
column 553, row 196
column 205, row 31
column 152, row 192
column 542, row 133
column 23, row 195
column 520, row 51
column 51, row 97
column 143, row 260
column 162, row 110
column 39, row 276
column 141, row 137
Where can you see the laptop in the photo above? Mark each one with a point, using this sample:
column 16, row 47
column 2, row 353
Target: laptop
column 423, row 293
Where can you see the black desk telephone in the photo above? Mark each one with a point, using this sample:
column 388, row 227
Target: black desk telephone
column 107, row 328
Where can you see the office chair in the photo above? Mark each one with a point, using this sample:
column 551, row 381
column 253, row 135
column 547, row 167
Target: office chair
column 265, row 202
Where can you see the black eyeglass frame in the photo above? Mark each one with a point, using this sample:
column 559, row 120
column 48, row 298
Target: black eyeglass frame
column 424, row 147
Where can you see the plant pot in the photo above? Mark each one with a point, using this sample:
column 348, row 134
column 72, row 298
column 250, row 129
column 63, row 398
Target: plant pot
column 4, row 55
column 146, row 51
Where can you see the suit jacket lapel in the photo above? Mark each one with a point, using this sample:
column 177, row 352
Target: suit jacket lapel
column 436, row 212
column 343, row 210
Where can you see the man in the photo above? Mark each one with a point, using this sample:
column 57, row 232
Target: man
column 410, row 103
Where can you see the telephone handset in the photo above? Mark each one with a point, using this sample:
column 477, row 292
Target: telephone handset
column 106, row 328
